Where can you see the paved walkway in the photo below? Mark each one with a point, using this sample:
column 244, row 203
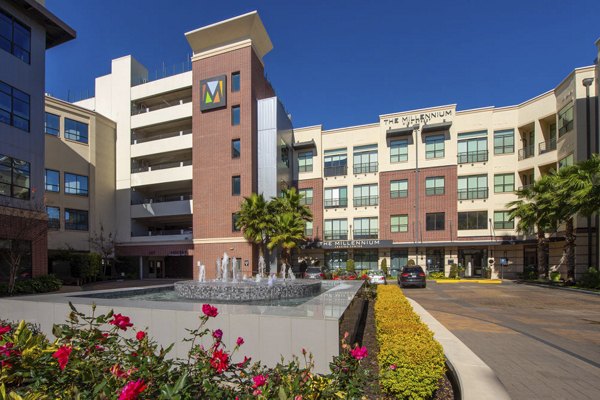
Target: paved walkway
column 542, row 343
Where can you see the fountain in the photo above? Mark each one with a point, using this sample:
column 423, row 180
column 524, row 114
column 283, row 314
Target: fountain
column 230, row 287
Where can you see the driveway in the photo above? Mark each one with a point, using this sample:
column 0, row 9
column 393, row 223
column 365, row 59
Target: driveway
column 543, row 343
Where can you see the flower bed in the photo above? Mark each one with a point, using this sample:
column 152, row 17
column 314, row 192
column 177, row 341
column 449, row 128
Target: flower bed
column 107, row 357
column 411, row 362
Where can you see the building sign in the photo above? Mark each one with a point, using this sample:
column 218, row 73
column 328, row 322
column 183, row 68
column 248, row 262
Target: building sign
column 356, row 244
column 213, row 93
column 422, row 119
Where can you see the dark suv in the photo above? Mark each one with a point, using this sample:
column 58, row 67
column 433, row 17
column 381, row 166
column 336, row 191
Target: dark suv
column 412, row 276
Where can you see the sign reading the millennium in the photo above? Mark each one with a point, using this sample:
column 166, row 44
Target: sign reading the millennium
column 424, row 118
column 355, row 244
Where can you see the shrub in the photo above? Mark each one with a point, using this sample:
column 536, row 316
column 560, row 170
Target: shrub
column 411, row 263
column 555, row 276
column 590, row 279
column 437, row 275
column 453, row 272
column 529, row 273
column 40, row 284
column 410, row 361
column 350, row 266
column 384, row 267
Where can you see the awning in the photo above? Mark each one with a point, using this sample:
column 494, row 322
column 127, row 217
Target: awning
column 305, row 145
column 392, row 133
column 442, row 126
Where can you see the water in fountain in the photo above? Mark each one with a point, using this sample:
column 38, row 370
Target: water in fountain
column 261, row 266
column 291, row 274
column 234, row 272
column 218, row 277
column 202, row 272
column 225, row 264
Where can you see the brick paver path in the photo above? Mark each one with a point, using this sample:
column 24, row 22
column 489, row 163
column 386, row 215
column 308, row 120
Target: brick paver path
column 542, row 343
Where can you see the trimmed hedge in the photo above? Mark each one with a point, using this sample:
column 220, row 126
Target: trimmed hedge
column 411, row 362
column 40, row 284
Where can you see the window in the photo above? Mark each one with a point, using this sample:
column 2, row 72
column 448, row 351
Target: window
column 285, row 153
column 472, row 147
column 52, row 124
column 235, row 82
column 434, row 146
column 504, row 141
column 336, row 162
column 75, row 130
column 15, row 37
column 76, row 220
column 14, row 107
column 235, row 148
column 399, row 223
column 14, row 177
column 235, row 185
column 235, row 115
column 365, row 159
column 52, row 181
column 336, row 259
column 365, row 260
column 336, row 229
column 565, row 120
column 308, row 228
column 234, row 222
column 399, row 188
column 504, row 183
column 502, row 220
column 366, row 228
column 434, row 221
column 398, row 151
column 472, row 220
column 305, row 161
column 76, row 184
column 336, row 197
column 306, row 196
column 366, row 195
column 435, row 185
column 565, row 162
column 472, row 187
column 53, row 217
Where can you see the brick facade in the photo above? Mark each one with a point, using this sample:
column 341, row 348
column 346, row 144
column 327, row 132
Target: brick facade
column 317, row 205
column 155, row 250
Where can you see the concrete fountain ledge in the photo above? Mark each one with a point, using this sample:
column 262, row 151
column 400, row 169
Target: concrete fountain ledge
column 247, row 290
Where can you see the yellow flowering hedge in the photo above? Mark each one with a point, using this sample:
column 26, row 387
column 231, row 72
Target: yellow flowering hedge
column 411, row 362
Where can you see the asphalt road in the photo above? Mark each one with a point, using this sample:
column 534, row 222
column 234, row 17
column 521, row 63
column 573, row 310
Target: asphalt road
column 543, row 343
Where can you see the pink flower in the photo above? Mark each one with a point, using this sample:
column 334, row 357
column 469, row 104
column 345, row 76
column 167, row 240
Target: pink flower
column 393, row 367
column 121, row 321
column 299, row 397
column 219, row 360
column 359, row 352
column 132, row 390
column 259, row 380
column 218, row 334
column 140, row 335
column 209, row 310
column 4, row 329
column 239, row 341
column 62, row 356
column 257, row 392
column 6, row 349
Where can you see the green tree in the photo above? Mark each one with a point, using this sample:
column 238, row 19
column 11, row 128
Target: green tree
column 384, row 267
column 288, row 231
column 255, row 219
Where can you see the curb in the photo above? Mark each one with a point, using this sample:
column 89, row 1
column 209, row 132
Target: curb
column 476, row 379
column 482, row 281
column 542, row 285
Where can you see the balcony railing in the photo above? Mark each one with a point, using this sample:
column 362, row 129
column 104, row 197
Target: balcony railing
column 365, row 168
column 335, row 235
column 162, row 199
column 366, row 201
column 164, row 232
column 472, row 157
column 155, row 167
column 366, row 234
column 53, row 223
column 547, row 146
column 398, row 193
column 526, row 152
column 137, row 109
column 339, row 170
column 472, row 194
column 333, row 203
column 136, row 140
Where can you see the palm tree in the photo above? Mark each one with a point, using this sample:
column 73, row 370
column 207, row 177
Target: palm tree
column 287, row 233
column 255, row 219
column 290, row 202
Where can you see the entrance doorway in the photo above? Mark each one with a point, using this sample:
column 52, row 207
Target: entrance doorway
column 530, row 262
column 156, row 268
column 473, row 260
column 399, row 260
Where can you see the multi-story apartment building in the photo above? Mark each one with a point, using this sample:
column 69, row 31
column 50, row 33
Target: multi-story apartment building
column 79, row 176
column 27, row 30
column 429, row 185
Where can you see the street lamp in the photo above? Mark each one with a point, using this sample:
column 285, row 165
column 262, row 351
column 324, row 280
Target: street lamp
column 587, row 82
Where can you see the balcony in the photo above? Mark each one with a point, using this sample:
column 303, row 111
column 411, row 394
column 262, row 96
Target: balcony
column 336, row 235
column 162, row 206
column 366, row 234
column 472, row 157
column 172, row 141
column 366, row 201
column 151, row 138
column 161, row 173
column 335, row 203
column 365, row 168
column 339, row 170
column 473, row 194
column 180, row 110
column 158, row 235
column 547, row 146
column 526, row 152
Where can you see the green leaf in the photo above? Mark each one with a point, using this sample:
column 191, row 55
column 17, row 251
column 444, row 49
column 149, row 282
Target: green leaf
column 282, row 395
column 99, row 387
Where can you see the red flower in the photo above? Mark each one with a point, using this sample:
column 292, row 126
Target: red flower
column 393, row 367
column 140, row 335
column 239, row 341
column 259, row 380
column 218, row 334
column 62, row 356
column 132, row 390
column 359, row 352
column 352, row 278
column 242, row 364
column 6, row 349
column 121, row 321
column 117, row 371
column 219, row 360
column 209, row 310
column 4, row 329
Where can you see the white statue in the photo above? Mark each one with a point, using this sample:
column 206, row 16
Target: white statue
column 225, row 264
column 218, row 277
column 202, row 273
column 234, row 272
column 283, row 271
column 291, row 274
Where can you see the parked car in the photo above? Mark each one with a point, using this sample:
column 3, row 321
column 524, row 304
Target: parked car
column 376, row 277
column 412, row 276
column 313, row 273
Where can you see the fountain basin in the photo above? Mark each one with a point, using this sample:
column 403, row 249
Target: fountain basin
column 247, row 290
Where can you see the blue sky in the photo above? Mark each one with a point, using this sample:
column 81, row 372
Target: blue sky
column 343, row 63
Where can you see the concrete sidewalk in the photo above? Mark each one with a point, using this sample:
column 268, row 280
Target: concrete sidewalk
column 117, row 284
